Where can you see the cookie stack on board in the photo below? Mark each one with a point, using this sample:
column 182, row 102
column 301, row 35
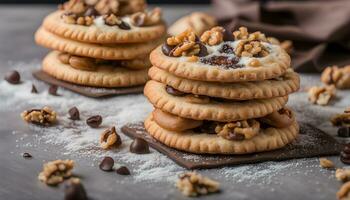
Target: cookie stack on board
column 101, row 43
column 221, row 97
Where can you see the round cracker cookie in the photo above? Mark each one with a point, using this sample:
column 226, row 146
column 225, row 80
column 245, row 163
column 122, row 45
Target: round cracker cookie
column 107, row 52
column 272, row 66
column 283, row 86
column 101, row 33
column 103, row 76
column 214, row 111
column 203, row 143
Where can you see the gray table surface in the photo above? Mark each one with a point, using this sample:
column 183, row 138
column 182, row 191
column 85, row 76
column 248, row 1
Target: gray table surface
column 18, row 176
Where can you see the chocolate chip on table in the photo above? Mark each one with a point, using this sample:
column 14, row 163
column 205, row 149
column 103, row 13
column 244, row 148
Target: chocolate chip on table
column 344, row 131
column 173, row 91
column 107, row 164
column 74, row 190
column 53, row 90
column 124, row 26
column 34, row 90
column 123, row 170
column 74, row 113
column 345, row 154
column 13, row 77
column 27, row 155
column 94, row 121
column 139, row 146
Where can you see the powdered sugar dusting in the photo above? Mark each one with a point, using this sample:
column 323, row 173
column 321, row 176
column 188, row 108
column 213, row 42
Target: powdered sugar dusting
column 76, row 139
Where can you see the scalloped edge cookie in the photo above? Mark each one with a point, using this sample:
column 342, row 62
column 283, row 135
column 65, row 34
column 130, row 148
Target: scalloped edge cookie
column 107, row 52
column 237, row 91
column 202, row 72
column 104, row 76
column 268, row 139
column 101, row 34
column 223, row 111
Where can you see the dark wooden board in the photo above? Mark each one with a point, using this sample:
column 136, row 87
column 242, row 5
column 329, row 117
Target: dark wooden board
column 94, row 92
column 311, row 142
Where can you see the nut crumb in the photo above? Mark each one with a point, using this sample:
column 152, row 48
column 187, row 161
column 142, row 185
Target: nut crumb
column 342, row 174
column 344, row 192
column 55, row 172
column 321, row 95
column 110, row 139
column 325, row 163
column 45, row 116
column 238, row 130
column 192, row 184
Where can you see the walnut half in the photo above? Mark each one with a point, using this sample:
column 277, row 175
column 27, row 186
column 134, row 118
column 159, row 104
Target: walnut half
column 340, row 77
column 110, row 139
column 55, row 172
column 192, row 184
column 321, row 95
column 45, row 116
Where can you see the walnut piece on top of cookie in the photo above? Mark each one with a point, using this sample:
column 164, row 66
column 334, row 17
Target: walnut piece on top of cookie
column 340, row 77
column 321, row 95
column 193, row 184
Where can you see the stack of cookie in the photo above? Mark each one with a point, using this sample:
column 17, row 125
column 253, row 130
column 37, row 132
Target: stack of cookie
column 221, row 97
column 101, row 43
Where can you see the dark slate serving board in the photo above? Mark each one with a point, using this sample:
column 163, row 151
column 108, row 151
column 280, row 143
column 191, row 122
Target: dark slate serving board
column 94, row 92
column 312, row 142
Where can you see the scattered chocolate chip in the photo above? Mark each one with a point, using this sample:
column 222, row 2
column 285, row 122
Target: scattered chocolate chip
column 226, row 48
column 34, row 90
column 107, row 164
column 53, row 90
column 123, row 171
column 94, row 121
column 167, row 49
column 173, row 91
column 124, row 26
column 223, row 61
column 13, row 77
column 27, row 155
column 344, row 131
column 202, row 50
column 74, row 113
column 139, row 146
column 345, row 154
column 74, row 190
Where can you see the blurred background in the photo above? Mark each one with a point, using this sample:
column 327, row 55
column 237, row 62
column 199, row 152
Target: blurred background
column 60, row 1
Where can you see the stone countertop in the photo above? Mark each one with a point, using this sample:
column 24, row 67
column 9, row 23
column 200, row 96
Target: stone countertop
column 295, row 179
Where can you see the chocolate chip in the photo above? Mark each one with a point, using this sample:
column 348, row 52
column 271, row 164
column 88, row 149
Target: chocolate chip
column 13, row 77
column 223, row 61
column 27, row 155
column 139, row 146
column 234, row 136
column 124, row 26
column 107, row 164
column 173, row 91
column 202, row 50
column 94, row 121
column 74, row 190
column 167, row 49
column 74, row 113
column 34, row 90
column 344, row 131
column 53, row 90
column 123, row 170
column 91, row 12
column 139, row 20
column 345, row 154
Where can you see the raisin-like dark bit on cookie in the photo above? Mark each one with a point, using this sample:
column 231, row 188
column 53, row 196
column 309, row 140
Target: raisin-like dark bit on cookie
column 167, row 49
column 173, row 91
column 223, row 61
column 226, row 48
